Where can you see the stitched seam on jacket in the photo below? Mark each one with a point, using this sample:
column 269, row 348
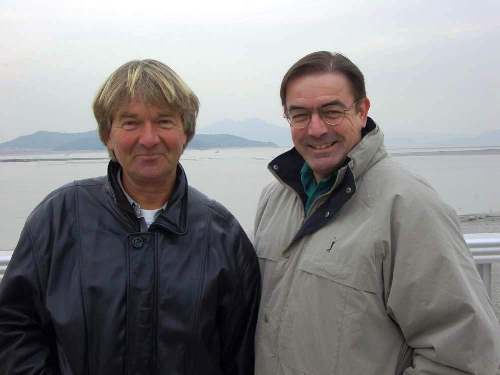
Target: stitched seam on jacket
column 341, row 330
column 196, row 312
column 37, row 266
column 79, row 265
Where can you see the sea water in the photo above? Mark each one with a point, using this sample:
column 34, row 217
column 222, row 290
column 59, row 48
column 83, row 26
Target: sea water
column 235, row 177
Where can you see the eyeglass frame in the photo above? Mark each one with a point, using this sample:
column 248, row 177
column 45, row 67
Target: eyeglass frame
column 318, row 110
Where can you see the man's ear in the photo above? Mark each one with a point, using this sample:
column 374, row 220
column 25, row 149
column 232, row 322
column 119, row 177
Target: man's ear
column 109, row 146
column 363, row 108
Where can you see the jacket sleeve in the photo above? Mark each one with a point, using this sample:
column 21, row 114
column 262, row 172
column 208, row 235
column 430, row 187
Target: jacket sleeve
column 436, row 295
column 27, row 345
column 261, row 207
column 240, row 315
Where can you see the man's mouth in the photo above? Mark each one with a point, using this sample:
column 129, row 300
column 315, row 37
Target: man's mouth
column 148, row 156
column 323, row 145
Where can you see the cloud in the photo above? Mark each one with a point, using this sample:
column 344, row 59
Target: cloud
column 415, row 54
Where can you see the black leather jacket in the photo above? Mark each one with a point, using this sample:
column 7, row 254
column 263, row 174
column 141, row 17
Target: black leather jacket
column 87, row 293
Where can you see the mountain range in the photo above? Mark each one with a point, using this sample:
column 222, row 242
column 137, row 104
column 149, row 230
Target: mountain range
column 89, row 141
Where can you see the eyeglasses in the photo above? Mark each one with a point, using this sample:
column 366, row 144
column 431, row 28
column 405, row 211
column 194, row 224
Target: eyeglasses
column 330, row 114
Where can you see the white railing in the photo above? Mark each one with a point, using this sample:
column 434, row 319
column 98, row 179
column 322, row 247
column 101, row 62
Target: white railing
column 485, row 249
column 4, row 260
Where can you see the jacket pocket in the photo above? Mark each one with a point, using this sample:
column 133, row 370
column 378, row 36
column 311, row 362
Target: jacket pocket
column 357, row 276
column 325, row 318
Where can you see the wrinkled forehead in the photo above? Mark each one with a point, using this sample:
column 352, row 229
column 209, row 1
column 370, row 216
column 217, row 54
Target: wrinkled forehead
column 318, row 88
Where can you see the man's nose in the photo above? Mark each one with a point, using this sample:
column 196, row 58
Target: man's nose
column 149, row 135
column 317, row 126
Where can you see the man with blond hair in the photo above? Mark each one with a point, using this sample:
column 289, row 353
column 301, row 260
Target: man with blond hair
column 136, row 272
column 364, row 269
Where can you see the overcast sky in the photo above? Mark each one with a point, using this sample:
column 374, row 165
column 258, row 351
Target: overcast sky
column 430, row 66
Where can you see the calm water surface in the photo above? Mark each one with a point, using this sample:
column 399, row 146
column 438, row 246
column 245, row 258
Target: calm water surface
column 235, row 177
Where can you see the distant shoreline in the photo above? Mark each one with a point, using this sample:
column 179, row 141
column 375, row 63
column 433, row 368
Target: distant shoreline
column 486, row 151
column 21, row 160
column 480, row 223
column 17, row 155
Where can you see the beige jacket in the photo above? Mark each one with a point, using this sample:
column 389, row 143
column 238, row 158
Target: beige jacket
column 377, row 280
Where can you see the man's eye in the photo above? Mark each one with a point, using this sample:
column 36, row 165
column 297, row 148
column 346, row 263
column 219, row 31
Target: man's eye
column 130, row 125
column 299, row 116
column 166, row 124
column 332, row 114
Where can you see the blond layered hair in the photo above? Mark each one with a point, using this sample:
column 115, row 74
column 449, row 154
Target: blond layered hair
column 150, row 81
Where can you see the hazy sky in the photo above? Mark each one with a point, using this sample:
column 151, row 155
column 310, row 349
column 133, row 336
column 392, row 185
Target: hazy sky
column 430, row 66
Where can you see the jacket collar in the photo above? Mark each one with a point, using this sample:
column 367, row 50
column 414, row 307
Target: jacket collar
column 286, row 168
column 368, row 151
column 173, row 219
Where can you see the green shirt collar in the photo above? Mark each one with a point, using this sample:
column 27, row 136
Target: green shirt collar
column 312, row 188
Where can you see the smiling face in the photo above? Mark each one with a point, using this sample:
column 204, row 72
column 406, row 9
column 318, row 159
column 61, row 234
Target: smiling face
column 322, row 146
column 147, row 141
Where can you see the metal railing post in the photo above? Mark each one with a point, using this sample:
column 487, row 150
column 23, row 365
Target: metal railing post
column 485, row 249
column 485, row 271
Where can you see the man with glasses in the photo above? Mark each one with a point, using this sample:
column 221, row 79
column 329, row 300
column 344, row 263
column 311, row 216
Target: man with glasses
column 364, row 268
